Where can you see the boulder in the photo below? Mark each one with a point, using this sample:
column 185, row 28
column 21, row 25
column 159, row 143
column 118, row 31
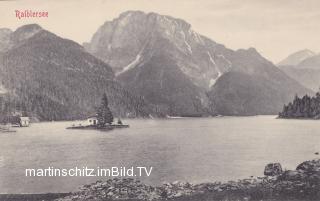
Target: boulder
column 273, row 169
column 292, row 175
column 310, row 167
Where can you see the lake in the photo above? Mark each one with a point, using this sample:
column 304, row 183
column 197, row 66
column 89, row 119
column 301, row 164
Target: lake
column 188, row 149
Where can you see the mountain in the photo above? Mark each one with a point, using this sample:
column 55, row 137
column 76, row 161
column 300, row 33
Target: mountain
column 310, row 63
column 53, row 78
column 253, row 86
column 4, row 39
column 295, row 58
column 161, row 58
column 306, row 71
column 135, row 37
column 309, row 78
column 185, row 73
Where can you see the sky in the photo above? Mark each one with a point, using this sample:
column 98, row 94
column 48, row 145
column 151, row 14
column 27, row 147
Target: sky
column 276, row 28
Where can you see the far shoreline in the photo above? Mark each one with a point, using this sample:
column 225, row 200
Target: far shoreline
column 168, row 118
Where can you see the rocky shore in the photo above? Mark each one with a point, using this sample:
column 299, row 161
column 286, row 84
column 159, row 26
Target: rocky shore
column 301, row 184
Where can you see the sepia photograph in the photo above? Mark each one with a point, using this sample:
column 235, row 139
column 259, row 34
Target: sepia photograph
column 159, row 100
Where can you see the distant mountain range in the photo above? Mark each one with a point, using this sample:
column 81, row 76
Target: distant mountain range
column 185, row 73
column 297, row 57
column 304, row 66
column 52, row 78
column 148, row 64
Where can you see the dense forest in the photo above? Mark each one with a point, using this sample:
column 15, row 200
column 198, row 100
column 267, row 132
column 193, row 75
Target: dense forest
column 305, row 107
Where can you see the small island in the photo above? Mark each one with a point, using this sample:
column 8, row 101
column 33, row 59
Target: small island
column 302, row 108
column 102, row 120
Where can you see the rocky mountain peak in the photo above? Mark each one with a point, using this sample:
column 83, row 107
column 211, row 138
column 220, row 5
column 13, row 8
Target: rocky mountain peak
column 250, row 51
column 297, row 57
column 168, row 20
column 139, row 27
column 173, row 67
column 308, row 52
column 130, row 16
column 135, row 37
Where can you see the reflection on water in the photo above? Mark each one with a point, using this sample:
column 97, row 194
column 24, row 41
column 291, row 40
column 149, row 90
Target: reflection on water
column 192, row 149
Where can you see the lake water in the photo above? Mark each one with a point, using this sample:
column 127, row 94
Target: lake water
column 190, row 149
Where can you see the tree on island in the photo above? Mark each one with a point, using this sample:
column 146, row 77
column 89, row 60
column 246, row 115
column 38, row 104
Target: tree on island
column 104, row 113
column 305, row 107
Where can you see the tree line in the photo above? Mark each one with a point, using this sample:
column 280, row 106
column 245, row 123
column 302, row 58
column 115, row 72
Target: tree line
column 304, row 107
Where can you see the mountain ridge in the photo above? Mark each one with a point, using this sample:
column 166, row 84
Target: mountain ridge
column 296, row 57
column 53, row 78
column 130, row 42
column 306, row 70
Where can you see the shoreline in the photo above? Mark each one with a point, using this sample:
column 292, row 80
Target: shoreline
column 301, row 184
column 32, row 197
column 170, row 118
column 297, row 118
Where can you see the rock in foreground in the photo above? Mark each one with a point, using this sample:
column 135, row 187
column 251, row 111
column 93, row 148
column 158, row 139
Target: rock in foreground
column 273, row 169
column 302, row 184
